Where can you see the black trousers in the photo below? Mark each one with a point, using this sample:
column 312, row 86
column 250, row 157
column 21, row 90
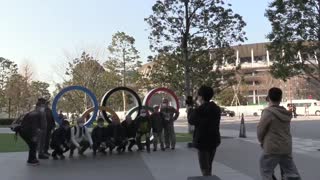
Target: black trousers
column 27, row 137
column 47, row 142
column 206, row 158
column 138, row 139
column 57, row 150
column 83, row 144
column 97, row 146
column 132, row 142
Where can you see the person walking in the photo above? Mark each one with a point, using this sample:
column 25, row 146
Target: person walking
column 275, row 138
column 206, row 119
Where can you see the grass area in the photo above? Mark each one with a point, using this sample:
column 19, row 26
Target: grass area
column 8, row 143
column 184, row 137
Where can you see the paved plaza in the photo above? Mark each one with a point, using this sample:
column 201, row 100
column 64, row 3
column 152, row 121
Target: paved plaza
column 236, row 159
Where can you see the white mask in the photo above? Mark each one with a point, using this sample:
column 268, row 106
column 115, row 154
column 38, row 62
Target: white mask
column 143, row 114
column 81, row 124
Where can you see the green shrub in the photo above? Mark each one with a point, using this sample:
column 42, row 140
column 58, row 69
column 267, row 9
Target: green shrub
column 6, row 122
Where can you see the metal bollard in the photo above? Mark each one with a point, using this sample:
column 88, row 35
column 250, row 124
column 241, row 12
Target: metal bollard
column 242, row 133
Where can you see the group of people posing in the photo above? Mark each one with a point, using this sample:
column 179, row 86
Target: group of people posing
column 37, row 129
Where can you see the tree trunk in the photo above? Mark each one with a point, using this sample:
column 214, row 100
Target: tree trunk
column 9, row 108
column 185, row 50
column 317, row 50
column 124, row 80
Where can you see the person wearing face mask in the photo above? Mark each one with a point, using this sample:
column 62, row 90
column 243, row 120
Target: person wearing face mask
column 99, row 137
column 80, row 138
column 206, row 119
column 170, row 115
column 130, row 129
column 117, row 136
column 60, row 139
column 144, row 129
column 157, row 128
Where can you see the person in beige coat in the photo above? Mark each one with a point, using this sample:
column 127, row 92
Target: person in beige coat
column 275, row 138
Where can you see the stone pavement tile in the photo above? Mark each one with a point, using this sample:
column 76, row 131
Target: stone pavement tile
column 300, row 145
column 183, row 163
column 176, row 165
column 204, row 178
column 127, row 166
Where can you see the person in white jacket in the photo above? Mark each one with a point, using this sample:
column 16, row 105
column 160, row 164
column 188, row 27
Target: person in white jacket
column 80, row 138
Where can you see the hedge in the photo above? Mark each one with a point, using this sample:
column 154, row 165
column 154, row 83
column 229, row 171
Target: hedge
column 6, row 121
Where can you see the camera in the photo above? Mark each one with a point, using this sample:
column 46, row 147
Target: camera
column 189, row 101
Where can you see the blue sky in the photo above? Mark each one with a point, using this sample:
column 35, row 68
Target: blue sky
column 48, row 33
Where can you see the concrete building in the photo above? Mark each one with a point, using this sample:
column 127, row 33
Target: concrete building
column 255, row 61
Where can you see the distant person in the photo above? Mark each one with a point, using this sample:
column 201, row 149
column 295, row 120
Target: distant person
column 170, row 115
column 275, row 138
column 157, row 129
column 144, row 129
column 61, row 116
column 130, row 130
column 206, row 119
column 80, row 138
column 60, row 140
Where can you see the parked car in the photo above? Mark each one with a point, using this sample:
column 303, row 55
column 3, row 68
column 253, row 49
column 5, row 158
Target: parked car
column 226, row 112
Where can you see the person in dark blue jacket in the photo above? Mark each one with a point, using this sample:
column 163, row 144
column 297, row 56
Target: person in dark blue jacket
column 60, row 140
column 99, row 137
column 206, row 119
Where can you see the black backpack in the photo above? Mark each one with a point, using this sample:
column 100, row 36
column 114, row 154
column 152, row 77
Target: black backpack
column 16, row 124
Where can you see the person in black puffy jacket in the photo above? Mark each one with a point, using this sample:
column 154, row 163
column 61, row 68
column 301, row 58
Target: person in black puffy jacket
column 99, row 137
column 206, row 119
column 60, row 140
column 130, row 130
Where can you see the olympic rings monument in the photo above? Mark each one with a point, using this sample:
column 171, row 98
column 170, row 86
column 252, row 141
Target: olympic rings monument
column 104, row 109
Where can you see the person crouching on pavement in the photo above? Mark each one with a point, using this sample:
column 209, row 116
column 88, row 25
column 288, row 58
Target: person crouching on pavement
column 157, row 128
column 118, row 138
column 60, row 140
column 144, row 129
column 130, row 130
column 80, row 138
column 99, row 137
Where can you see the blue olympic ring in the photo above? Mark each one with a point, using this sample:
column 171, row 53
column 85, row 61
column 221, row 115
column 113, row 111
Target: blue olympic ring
column 80, row 88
